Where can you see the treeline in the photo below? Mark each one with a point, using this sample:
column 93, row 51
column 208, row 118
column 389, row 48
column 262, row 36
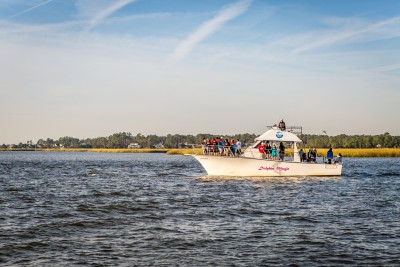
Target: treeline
column 352, row 141
column 123, row 140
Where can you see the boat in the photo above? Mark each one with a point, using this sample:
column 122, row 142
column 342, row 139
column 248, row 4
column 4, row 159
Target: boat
column 252, row 163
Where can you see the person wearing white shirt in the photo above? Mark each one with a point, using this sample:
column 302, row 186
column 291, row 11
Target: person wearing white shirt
column 238, row 147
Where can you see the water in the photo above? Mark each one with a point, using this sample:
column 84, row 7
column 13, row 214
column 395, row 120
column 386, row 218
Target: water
column 93, row 209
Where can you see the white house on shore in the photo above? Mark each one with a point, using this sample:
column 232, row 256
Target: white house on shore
column 134, row 145
column 159, row 145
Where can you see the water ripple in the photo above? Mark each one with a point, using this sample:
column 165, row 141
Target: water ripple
column 73, row 209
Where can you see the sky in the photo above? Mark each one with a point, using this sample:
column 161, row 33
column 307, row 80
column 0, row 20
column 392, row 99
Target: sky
column 90, row 68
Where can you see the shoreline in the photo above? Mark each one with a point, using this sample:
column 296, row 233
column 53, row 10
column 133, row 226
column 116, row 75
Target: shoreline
column 346, row 152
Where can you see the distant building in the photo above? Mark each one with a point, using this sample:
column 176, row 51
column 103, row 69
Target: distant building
column 159, row 145
column 58, row 145
column 134, row 145
column 185, row 145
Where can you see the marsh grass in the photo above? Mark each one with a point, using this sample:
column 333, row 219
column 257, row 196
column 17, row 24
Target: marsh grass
column 357, row 152
column 183, row 151
column 99, row 150
column 346, row 152
column 129, row 150
column 366, row 152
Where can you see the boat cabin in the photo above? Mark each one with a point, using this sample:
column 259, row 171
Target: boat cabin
column 273, row 137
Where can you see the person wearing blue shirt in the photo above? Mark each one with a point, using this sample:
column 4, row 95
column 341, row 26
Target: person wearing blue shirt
column 329, row 155
column 220, row 146
column 273, row 152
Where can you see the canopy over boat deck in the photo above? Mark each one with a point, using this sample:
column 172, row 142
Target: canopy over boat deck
column 276, row 134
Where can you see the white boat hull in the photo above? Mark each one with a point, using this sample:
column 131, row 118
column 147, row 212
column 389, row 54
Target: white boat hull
column 252, row 167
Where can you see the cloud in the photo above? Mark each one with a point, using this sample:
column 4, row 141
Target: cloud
column 209, row 27
column 30, row 9
column 107, row 11
column 373, row 31
column 386, row 68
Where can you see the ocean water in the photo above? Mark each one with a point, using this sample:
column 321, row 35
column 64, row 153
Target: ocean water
column 94, row 209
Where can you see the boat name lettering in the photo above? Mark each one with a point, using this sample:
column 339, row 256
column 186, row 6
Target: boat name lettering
column 279, row 135
column 282, row 168
column 266, row 168
column 273, row 169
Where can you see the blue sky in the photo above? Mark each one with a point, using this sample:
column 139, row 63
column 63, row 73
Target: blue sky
column 87, row 68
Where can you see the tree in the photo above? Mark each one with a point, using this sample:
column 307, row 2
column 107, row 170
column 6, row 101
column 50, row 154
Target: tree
column 49, row 142
column 123, row 139
column 387, row 140
column 40, row 142
column 69, row 142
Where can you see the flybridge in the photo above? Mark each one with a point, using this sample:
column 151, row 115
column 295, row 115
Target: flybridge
column 293, row 129
column 275, row 134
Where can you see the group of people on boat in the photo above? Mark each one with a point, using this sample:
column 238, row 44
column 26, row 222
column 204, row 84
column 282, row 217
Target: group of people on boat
column 274, row 152
column 218, row 146
column 311, row 156
column 269, row 151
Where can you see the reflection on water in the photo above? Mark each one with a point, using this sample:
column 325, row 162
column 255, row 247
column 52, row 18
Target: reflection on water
column 153, row 209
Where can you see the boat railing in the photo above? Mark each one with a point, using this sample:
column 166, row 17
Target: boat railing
column 334, row 160
column 230, row 151
column 215, row 150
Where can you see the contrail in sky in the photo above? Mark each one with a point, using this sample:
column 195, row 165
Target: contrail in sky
column 209, row 27
column 29, row 9
column 107, row 12
column 346, row 35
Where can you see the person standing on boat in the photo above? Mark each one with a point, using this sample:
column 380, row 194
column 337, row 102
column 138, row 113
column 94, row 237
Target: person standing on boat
column 220, row 145
column 281, row 151
column 213, row 143
column 301, row 154
column 282, row 125
column 261, row 148
column 304, row 158
column 268, row 151
column 233, row 147
column 329, row 155
column 204, row 145
column 227, row 147
column 238, row 147
column 309, row 155
column 273, row 152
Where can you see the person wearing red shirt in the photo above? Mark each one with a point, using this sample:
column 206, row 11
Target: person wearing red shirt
column 213, row 146
column 261, row 148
